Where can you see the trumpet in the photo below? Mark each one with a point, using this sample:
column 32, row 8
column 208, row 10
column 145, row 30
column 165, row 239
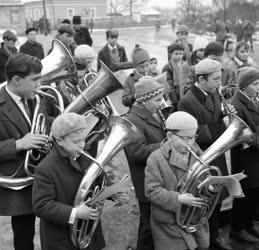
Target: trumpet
column 39, row 126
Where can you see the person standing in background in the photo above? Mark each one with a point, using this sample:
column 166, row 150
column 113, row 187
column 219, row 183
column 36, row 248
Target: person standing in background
column 31, row 46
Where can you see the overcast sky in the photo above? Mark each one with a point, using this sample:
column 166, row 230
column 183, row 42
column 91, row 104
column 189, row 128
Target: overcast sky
column 173, row 3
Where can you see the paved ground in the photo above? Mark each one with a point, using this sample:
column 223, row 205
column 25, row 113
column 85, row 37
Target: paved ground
column 120, row 220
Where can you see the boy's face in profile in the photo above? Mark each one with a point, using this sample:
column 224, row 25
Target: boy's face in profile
column 176, row 56
column 73, row 143
column 153, row 66
column 181, row 139
column 143, row 68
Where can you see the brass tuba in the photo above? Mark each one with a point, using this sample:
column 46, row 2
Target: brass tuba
column 191, row 218
column 123, row 132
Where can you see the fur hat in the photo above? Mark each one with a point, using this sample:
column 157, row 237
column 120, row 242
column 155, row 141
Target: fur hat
column 66, row 28
column 139, row 56
column 246, row 76
column 67, row 123
column 147, row 88
column 76, row 20
column 182, row 28
column 183, row 121
column 207, row 66
column 200, row 43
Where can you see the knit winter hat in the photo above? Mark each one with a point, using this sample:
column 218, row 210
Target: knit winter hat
column 84, row 52
column 66, row 28
column 183, row 121
column 246, row 76
column 200, row 43
column 207, row 66
column 147, row 88
column 183, row 28
column 139, row 56
column 67, row 123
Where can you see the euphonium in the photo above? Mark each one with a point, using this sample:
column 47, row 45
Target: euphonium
column 123, row 132
column 191, row 218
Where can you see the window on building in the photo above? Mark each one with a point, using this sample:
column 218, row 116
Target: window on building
column 93, row 12
column 70, row 13
column 29, row 14
column 36, row 14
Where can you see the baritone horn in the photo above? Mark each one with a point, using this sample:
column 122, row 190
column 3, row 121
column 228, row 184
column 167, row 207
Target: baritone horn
column 191, row 218
column 123, row 132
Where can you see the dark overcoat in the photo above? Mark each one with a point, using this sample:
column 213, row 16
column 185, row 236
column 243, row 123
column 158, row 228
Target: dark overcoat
column 82, row 36
column 105, row 57
column 210, row 119
column 54, row 189
column 138, row 152
column 32, row 49
column 13, row 126
column 3, row 59
column 246, row 159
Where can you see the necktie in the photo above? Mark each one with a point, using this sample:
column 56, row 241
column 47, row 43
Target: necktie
column 114, row 50
column 26, row 108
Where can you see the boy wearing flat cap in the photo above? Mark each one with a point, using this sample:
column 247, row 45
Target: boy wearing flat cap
column 56, row 181
column 113, row 55
column 246, row 159
column 82, row 35
column 140, row 60
column 165, row 169
column 31, row 46
column 203, row 102
column 148, row 94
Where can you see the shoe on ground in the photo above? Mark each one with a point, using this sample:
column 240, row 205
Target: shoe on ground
column 221, row 244
column 244, row 236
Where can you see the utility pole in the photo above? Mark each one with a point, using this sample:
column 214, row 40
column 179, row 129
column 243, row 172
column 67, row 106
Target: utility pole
column 44, row 18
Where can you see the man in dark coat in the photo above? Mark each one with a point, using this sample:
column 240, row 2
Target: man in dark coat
column 246, row 158
column 82, row 35
column 112, row 54
column 203, row 102
column 56, row 182
column 16, row 109
column 7, row 49
column 148, row 95
column 31, row 46
column 140, row 60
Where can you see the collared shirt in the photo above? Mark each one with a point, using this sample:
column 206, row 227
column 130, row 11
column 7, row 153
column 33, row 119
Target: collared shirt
column 17, row 100
column 112, row 48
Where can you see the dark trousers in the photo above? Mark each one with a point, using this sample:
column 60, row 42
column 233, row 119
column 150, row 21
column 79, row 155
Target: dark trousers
column 23, row 230
column 214, row 223
column 145, row 239
column 244, row 210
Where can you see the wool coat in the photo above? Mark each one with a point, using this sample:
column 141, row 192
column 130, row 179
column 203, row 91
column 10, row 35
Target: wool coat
column 209, row 115
column 32, row 49
column 3, row 59
column 138, row 152
column 54, row 189
column 82, row 36
column 246, row 159
column 105, row 56
column 13, row 126
column 165, row 169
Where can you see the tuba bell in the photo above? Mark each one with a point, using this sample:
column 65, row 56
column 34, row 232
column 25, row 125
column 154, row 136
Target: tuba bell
column 123, row 132
column 58, row 65
column 191, row 218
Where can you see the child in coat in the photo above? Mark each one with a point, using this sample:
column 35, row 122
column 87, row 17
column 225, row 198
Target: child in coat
column 166, row 167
